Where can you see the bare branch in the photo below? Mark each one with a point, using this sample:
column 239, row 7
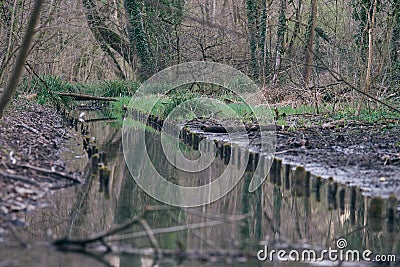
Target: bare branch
column 21, row 58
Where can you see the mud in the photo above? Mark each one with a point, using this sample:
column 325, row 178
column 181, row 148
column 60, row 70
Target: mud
column 31, row 138
column 354, row 153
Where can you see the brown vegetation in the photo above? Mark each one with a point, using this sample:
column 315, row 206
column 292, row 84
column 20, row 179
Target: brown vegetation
column 322, row 47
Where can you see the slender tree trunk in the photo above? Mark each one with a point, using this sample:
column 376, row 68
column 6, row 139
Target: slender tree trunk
column 369, row 64
column 280, row 44
column 370, row 49
column 395, row 39
column 296, row 29
column 308, row 55
column 10, row 24
column 214, row 10
column 251, row 22
column 9, row 91
column 370, row 55
column 263, row 41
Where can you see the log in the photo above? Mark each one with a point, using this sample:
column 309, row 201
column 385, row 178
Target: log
column 214, row 129
column 222, row 129
column 257, row 127
column 82, row 97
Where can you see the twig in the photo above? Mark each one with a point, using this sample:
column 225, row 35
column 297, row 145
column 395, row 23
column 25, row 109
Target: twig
column 288, row 150
column 228, row 219
column 33, row 130
column 202, row 237
column 16, row 236
column 151, row 236
column 66, row 243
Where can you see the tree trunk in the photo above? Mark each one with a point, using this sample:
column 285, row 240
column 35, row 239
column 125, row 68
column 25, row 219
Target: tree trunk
column 370, row 55
column 251, row 22
column 99, row 30
column 138, row 38
column 308, row 55
column 280, row 44
column 263, row 41
column 296, row 29
column 106, row 37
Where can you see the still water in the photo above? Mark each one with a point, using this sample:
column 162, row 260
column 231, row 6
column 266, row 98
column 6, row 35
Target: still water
column 292, row 210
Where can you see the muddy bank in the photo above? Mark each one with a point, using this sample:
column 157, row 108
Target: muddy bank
column 354, row 153
column 31, row 138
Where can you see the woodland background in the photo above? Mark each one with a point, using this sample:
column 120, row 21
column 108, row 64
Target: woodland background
column 319, row 50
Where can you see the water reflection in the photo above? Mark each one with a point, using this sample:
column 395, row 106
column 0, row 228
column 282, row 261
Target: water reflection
column 292, row 209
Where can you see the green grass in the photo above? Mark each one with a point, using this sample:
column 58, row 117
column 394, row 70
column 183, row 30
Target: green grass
column 110, row 88
column 366, row 115
column 191, row 106
column 48, row 87
column 289, row 110
column 191, row 100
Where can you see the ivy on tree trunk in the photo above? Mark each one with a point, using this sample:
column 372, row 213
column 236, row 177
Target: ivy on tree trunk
column 251, row 9
column 138, row 38
column 281, row 39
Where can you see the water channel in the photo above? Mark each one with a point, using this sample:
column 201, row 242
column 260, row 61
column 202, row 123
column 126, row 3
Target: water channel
column 291, row 210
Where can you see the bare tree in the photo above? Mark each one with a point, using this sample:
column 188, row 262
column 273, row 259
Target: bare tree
column 21, row 58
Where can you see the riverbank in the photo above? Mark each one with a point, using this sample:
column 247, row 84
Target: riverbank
column 31, row 138
column 353, row 153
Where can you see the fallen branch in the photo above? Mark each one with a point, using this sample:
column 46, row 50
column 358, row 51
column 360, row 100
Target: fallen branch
column 51, row 172
column 88, row 97
column 102, row 119
column 19, row 178
column 167, row 230
column 81, row 244
column 33, row 130
column 195, row 212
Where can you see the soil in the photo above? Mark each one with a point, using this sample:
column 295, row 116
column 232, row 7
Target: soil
column 31, row 137
column 354, row 153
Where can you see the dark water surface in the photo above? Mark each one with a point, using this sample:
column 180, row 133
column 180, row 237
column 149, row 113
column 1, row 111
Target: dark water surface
column 291, row 210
